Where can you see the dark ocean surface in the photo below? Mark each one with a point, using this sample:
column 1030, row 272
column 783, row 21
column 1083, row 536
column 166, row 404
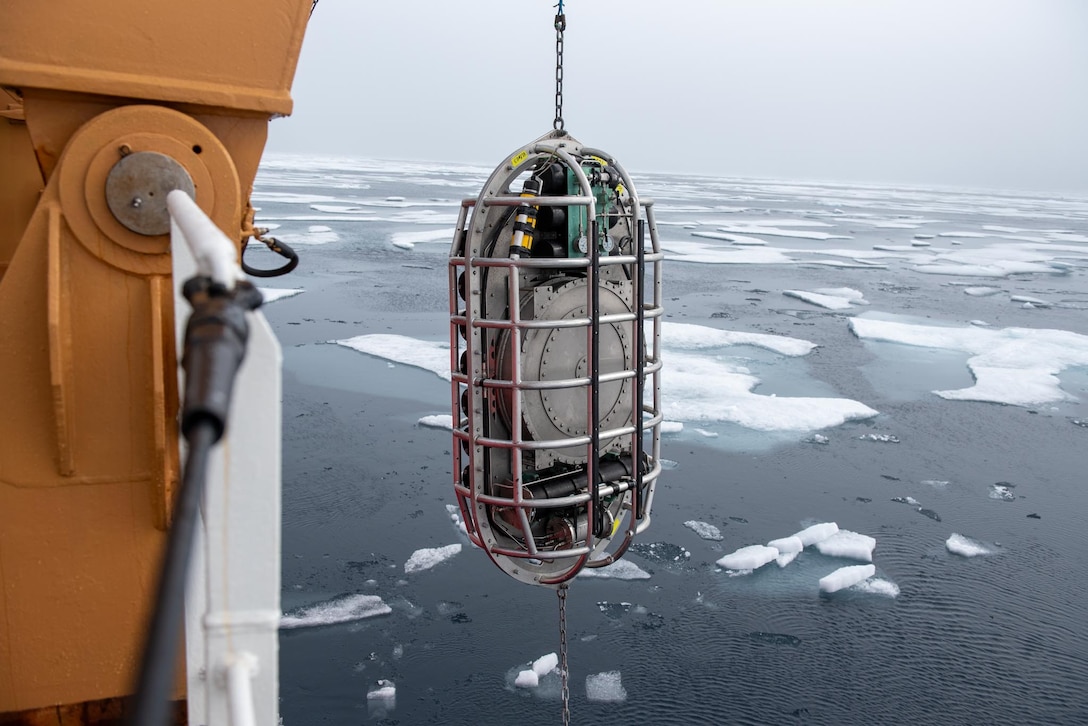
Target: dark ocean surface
column 999, row 638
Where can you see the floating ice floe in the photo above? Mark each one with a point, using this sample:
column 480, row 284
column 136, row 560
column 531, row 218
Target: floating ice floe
column 704, row 530
column 816, row 533
column 788, row 549
column 428, row 557
column 672, row 427
column 880, row 438
column 845, row 543
column 338, row 610
column 981, row 291
column 605, row 687
column 542, row 666
column 384, row 691
column 957, row 544
column 1002, row 491
column 1034, row 302
column 272, row 294
column 317, row 234
column 1015, row 366
column 428, row 355
column 437, row 421
column 748, row 558
column 840, row 298
column 408, row 240
column 846, row 577
column 877, row 586
column 618, row 570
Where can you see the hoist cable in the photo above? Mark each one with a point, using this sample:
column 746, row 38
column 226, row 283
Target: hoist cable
column 560, row 26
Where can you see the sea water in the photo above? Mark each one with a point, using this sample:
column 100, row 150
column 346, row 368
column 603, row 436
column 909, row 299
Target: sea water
column 882, row 359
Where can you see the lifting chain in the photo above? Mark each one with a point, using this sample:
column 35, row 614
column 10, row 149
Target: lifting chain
column 560, row 26
column 562, row 594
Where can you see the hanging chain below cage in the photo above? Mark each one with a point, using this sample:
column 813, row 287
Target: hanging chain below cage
column 562, row 594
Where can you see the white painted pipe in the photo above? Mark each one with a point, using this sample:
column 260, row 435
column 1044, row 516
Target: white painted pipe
column 213, row 251
column 240, row 672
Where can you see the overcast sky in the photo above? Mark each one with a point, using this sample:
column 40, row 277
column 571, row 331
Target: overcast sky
column 976, row 93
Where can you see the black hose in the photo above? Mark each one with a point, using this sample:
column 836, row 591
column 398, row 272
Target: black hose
column 156, row 678
column 215, row 344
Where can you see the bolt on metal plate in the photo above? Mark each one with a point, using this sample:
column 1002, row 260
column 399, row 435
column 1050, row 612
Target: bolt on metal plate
column 136, row 190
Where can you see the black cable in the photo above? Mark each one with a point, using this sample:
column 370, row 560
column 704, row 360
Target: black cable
column 156, row 679
column 215, row 344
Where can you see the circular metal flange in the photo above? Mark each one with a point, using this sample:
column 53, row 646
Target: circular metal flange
column 95, row 149
column 136, row 190
column 554, row 354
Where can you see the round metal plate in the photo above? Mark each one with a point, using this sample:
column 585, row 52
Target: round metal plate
column 136, row 190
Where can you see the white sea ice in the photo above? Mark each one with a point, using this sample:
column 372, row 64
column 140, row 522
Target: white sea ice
column 824, row 301
column 605, row 687
column 748, row 558
column 545, row 664
column 338, row 610
column 877, row 586
column 408, row 240
column 428, row 355
column 816, row 533
column 845, row 543
column 671, row 427
column 437, row 421
column 699, row 388
column 846, row 577
column 786, row 545
column 527, row 679
column 317, row 234
column 1016, row 366
column 428, row 557
column 385, row 690
column 455, row 517
column 618, row 570
column 704, row 530
column 690, row 337
column 272, row 294
column 957, row 544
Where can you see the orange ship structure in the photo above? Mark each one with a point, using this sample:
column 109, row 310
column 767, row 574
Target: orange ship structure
column 99, row 103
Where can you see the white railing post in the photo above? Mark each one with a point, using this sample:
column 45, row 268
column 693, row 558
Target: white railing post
column 233, row 597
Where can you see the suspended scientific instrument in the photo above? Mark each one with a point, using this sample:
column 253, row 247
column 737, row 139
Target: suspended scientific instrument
column 555, row 327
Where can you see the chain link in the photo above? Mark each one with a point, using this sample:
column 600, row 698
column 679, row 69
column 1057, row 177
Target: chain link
column 562, row 593
column 560, row 26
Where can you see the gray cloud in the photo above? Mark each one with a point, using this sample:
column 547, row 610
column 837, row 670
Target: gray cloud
column 990, row 93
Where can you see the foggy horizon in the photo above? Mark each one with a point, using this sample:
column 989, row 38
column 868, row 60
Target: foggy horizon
column 977, row 94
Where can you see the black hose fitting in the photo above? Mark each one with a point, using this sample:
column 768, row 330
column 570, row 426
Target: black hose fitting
column 215, row 344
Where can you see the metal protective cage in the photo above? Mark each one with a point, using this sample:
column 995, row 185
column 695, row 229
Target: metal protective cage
column 545, row 472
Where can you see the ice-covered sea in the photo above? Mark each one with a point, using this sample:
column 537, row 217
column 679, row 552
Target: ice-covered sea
column 877, row 465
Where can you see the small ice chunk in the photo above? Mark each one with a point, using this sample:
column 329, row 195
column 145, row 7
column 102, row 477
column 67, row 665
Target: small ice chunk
column 428, row 557
column 385, row 691
column 618, row 570
column 819, row 439
column 338, row 610
column 527, row 679
column 272, row 294
column 907, row 500
column 846, row 577
column 545, row 664
column 707, row 434
column 981, row 291
column 437, row 421
column 845, row 543
column 957, row 544
column 786, row 545
column 748, row 558
column 816, row 533
column 605, row 687
column 1002, row 491
column 672, row 427
column 882, row 438
column 878, row 586
column 704, row 530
